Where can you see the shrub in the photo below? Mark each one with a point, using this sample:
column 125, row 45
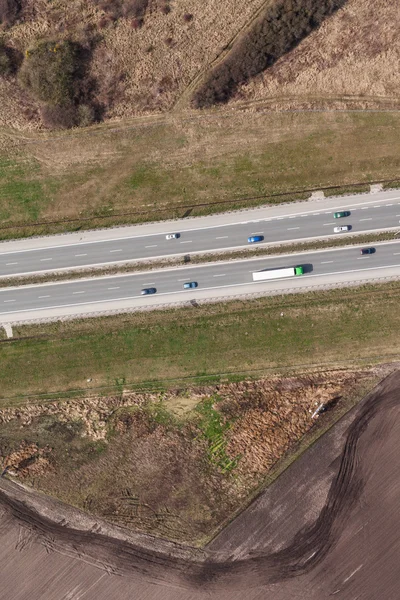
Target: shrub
column 136, row 23
column 58, row 117
column 10, row 60
column 105, row 22
column 187, row 17
column 56, row 74
column 277, row 31
column 65, row 117
column 5, row 63
column 85, row 115
column 135, row 9
column 49, row 70
column 9, row 11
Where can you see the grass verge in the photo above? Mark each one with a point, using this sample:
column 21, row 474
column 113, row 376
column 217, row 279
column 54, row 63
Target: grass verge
column 175, row 168
column 208, row 343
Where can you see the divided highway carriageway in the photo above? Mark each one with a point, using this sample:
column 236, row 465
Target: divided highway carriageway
column 121, row 292
column 285, row 223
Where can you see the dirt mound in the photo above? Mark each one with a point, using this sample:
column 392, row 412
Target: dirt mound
column 29, row 460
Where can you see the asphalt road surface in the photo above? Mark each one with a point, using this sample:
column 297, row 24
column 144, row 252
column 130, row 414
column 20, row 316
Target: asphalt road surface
column 86, row 294
column 292, row 222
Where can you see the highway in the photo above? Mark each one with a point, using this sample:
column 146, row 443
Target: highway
column 288, row 223
column 222, row 279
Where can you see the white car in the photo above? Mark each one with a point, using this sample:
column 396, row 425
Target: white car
column 342, row 228
column 172, row 236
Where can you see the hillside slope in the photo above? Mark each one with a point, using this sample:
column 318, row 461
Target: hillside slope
column 350, row 61
column 144, row 65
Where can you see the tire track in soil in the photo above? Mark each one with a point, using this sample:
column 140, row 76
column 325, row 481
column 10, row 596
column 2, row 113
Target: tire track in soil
column 309, row 547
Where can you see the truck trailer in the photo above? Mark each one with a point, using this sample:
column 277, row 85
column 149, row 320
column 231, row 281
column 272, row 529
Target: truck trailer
column 277, row 273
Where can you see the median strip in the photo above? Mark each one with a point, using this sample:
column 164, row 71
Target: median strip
column 197, row 259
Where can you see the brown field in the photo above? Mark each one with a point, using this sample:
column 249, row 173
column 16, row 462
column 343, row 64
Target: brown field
column 330, row 526
column 176, row 465
column 156, row 62
column 348, row 62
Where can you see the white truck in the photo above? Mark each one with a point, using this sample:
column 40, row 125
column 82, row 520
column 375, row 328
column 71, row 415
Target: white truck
column 277, row 273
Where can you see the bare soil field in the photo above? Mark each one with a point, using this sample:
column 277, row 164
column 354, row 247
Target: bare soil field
column 347, row 63
column 176, row 465
column 330, row 526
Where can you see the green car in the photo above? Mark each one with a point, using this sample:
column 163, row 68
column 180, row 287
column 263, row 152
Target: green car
column 342, row 213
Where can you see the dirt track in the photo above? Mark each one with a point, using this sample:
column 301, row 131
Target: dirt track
column 329, row 525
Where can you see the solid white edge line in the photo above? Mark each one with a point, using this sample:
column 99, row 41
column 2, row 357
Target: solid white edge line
column 303, row 277
column 267, row 219
column 215, row 251
column 199, row 266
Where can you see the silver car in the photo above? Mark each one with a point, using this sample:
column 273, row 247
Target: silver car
column 342, row 228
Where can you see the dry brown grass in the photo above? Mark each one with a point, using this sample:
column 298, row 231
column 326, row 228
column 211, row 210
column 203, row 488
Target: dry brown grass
column 162, row 57
column 354, row 55
column 147, row 464
column 145, row 69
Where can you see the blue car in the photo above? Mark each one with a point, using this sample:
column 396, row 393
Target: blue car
column 190, row 284
column 148, row 291
column 255, row 238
